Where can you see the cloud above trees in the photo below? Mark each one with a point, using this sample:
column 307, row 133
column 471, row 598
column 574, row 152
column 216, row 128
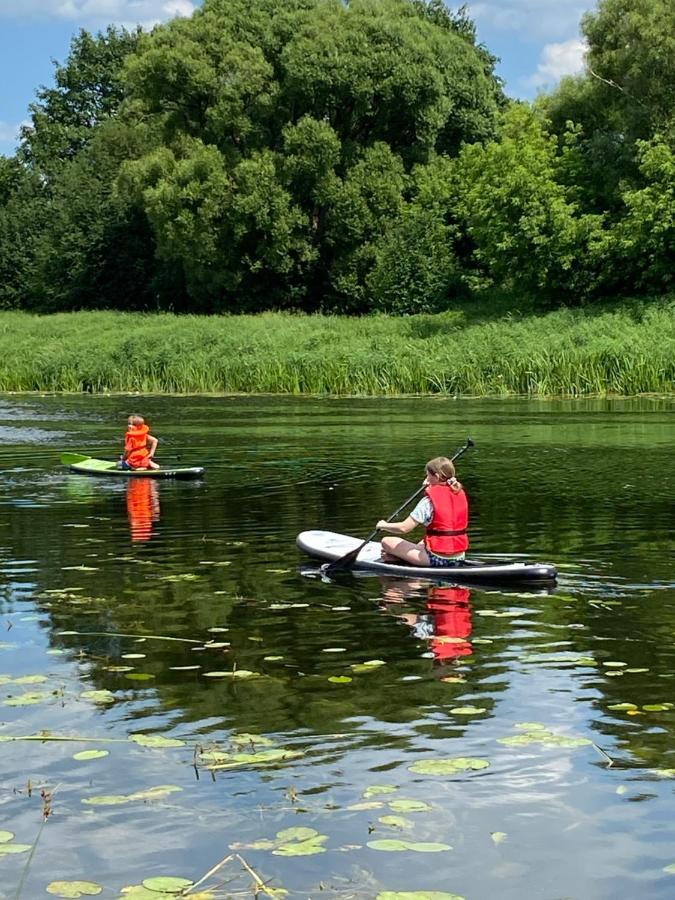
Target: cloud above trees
column 92, row 13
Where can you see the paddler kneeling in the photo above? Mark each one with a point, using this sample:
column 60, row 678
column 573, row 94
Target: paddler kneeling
column 139, row 446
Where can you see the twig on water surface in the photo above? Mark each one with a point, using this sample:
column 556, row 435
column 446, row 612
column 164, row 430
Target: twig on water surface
column 46, row 797
column 610, row 761
column 211, row 872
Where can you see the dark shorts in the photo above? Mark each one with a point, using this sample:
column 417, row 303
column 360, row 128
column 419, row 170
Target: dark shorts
column 439, row 562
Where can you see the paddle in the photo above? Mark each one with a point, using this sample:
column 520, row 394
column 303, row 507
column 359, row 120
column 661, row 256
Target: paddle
column 347, row 561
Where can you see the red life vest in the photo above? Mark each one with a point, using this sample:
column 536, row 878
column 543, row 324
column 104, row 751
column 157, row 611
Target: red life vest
column 446, row 533
column 135, row 446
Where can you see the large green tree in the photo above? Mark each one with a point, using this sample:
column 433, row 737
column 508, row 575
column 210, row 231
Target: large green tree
column 285, row 134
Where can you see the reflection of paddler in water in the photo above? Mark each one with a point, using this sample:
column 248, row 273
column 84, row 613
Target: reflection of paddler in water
column 142, row 507
column 446, row 623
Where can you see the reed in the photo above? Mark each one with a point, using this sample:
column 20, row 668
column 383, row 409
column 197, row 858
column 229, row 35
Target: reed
column 622, row 349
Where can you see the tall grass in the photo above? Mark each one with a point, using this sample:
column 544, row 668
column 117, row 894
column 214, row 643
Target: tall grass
column 624, row 349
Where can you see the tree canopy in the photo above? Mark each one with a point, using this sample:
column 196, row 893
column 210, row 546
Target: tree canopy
column 316, row 154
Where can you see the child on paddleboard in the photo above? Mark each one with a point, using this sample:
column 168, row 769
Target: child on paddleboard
column 139, row 446
column 444, row 511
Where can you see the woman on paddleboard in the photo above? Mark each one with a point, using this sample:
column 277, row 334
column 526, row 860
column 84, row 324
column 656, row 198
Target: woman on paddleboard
column 444, row 511
column 139, row 446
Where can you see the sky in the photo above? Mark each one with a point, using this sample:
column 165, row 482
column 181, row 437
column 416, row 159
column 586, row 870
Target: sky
column 537, row 41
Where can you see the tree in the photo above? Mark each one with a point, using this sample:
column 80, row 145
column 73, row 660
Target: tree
column 88, row 91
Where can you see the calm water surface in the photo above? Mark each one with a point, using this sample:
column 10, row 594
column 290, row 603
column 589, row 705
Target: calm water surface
column 561, row 704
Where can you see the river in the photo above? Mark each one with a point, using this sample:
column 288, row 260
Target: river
column 180, row 687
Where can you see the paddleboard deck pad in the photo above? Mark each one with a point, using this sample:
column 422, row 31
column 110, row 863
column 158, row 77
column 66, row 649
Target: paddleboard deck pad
column 106, row 467
column 329, row 546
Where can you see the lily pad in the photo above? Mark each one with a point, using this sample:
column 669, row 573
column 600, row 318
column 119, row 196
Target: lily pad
column 6, row 849
column 102, row 696
column 396, row 821
column 468, row 710
column 28, row 699
column 498, row 836
column 90, row 754
column 139, row 676
column 30, row 679
column 246, row 737
column 376, row 789
column 393, row 846
column 340, row 679
column 167, row 884
column 404, row 805
column 417, row 895
column 670, row 869
column 73, row 889
column 449, row 766
column 155, row 740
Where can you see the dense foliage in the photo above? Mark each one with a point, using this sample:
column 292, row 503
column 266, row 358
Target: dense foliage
column 317, row 155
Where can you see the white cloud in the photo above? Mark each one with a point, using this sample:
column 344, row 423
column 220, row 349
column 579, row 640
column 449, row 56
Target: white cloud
column 9, row 133
column 533, row 19
column 556, row 60
column 97, row 13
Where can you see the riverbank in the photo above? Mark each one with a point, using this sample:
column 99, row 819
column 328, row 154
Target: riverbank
column 623, row 349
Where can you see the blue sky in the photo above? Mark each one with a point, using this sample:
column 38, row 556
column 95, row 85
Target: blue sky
column 538, row 41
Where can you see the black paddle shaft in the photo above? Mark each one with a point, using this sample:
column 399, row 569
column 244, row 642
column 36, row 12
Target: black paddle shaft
column 348, row 560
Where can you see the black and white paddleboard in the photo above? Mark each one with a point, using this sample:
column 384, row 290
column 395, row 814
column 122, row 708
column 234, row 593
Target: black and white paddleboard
column 329, row 546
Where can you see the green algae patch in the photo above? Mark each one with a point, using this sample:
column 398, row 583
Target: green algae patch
column 450, row 766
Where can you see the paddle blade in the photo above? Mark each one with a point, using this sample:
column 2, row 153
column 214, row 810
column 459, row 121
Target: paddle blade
column 344, row 563
column 69, row 459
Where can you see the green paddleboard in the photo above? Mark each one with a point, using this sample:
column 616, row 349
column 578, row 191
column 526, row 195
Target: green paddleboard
column 87, row 465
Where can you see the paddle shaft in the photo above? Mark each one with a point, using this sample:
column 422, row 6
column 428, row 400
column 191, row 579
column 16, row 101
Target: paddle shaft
column 348, row 560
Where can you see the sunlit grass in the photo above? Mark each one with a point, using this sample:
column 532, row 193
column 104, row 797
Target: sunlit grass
column 625, row 349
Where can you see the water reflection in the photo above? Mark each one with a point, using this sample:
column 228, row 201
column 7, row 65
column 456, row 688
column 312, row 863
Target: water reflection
column 445, row 620
column 142, row 507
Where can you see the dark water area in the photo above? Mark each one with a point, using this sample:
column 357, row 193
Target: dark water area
column 238, row 695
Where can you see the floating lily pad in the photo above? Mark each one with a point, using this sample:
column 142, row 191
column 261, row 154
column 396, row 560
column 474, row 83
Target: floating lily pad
column 246, row 737
column 30, row 679
column 396, row 821
column 155, row 740
column 498, row 836
column 133, row 656
column 73, row 889
column 139, row 676
column 453, row 679
column 272, row 658
column 393, row 846
column 216, row 674
column 468, row 710
column 102, row 696
column 670, row 869
column 450, row 766
column 376, row 789
column 6, row 849
column 366, row 804
column 106, row 800
column 167, row 884
column 622, row 706
column 28, row 699
column 340, row 679
column 90, row 754
column 417, row 895
column 402, row 804
column 657, row 707
column 530, row 726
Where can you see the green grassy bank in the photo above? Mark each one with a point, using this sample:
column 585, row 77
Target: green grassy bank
column 621, row 349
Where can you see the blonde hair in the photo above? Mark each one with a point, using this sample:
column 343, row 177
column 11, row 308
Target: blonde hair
column 444, row 469
column 136, row 420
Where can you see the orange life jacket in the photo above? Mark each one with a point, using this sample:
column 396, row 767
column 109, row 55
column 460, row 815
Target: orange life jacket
column 135, row 446
column 446, row 533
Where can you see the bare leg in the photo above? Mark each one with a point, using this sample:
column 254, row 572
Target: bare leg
column 152, row 464
column 413, row 554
